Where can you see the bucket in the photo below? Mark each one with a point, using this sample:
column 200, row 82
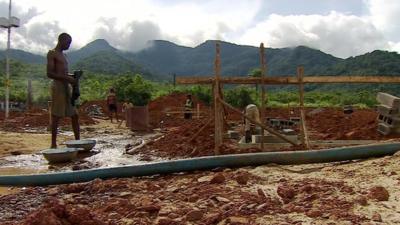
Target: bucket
column 138, row 118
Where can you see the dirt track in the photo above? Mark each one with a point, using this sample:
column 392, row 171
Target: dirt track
column 356, row 192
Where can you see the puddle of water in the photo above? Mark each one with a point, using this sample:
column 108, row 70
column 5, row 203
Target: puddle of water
column 108, row 152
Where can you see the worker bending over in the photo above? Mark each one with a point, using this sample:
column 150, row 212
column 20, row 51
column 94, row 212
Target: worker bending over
column 250, row 128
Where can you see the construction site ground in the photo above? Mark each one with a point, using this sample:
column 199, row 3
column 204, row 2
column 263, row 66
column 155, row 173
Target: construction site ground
column 351, row 192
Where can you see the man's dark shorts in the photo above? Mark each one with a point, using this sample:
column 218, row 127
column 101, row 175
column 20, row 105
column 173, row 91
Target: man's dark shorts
column 112, row 108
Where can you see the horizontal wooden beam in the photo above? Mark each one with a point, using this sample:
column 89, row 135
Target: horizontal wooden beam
column 291, row 80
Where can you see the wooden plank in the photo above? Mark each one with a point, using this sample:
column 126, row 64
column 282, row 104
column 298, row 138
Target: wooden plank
column 182, row 112
column 259, row 124
column 279, row 80
column 303, row 128
column 200, row 130
column 218, row 127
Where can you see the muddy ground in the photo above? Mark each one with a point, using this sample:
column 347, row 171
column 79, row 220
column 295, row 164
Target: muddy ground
column 351, row 192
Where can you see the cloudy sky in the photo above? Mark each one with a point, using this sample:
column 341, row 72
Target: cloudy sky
column 342, row 28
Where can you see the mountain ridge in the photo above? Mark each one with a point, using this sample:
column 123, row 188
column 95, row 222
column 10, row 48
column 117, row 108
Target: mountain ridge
column 164, row 58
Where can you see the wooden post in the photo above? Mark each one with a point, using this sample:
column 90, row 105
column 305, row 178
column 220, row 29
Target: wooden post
column 218, row 131
column 257, row 123
column 263, row 69
column 303, row 129
column 198, row 111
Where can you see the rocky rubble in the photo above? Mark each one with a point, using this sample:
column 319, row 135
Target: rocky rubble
column 221, row 197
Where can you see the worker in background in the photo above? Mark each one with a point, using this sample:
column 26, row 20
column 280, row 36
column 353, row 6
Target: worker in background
column 125, row 107
column 112, row 104
column 249, row 127
column 188, row 107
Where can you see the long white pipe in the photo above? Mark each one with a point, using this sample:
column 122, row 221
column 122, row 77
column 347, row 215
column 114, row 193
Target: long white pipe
column 205, row 163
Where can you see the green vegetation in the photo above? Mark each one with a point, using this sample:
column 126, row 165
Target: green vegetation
column 110, row 68
column 134, row 89
column 138, row 90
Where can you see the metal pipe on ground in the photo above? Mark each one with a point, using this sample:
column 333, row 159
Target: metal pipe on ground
column 205, row 163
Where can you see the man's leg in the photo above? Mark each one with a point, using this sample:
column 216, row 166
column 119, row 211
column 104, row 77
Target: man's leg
column 247, row 136
column 54, row 125
column 116, row 115
column 75, row 126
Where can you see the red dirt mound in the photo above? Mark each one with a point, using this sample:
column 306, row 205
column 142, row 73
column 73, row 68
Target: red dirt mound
column 172, row 102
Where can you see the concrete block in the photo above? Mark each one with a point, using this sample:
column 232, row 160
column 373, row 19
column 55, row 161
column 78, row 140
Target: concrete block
column 232, row 134
column 281, row 123
column 289, row 131
column 286, row 124
column 384, row 129
column 272, row 139
column 393, row 121
column 348, row 109
column 388, row 100
column 274, row 122
column 387, row 111
column 382, row 118
column 296, row 120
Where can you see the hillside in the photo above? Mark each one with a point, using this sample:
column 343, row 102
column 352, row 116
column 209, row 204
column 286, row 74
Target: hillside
column 165, row 58
column 109, row 62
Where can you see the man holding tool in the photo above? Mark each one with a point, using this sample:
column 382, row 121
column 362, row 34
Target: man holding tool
column 57, row 70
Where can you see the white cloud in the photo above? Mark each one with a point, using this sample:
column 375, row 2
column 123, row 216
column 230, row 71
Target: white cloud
column 385, row 16
column 183, row 22
column 128, row 24
column 336, row 33
column 134, row 36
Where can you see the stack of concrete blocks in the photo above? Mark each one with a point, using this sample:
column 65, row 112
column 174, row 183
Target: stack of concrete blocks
column 282, row 125
column 389, row 114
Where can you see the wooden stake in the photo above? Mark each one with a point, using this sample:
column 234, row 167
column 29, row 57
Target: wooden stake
column 303, row 136
column 257, row 123
column 218, row 131
column 198, row 111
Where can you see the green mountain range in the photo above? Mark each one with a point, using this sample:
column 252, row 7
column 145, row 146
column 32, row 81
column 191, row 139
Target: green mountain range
column 163, row 58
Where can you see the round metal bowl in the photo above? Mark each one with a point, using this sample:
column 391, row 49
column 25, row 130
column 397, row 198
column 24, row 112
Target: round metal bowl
column 86, row 145
column 59, row 155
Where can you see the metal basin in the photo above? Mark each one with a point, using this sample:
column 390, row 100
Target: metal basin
column 59, row 155
column 85, row 145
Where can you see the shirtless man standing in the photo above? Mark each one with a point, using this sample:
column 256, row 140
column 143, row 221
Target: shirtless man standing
column 57, row 69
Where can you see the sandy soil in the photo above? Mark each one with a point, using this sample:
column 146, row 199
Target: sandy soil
column 25, row 143
column 12, row 143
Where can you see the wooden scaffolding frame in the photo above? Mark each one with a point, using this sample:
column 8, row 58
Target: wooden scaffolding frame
column 217, row 83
